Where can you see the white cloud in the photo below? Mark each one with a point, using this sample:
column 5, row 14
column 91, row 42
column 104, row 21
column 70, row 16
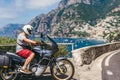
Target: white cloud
column 38, row 4
column 7, row 16
column 34, row 4
column 15, row 9
column 19, row 3
column 7, row 13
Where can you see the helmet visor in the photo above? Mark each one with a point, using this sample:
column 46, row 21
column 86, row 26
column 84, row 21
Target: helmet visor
column 30, row 30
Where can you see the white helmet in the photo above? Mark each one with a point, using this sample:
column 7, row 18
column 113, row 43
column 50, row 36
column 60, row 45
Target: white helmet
column 28, row 29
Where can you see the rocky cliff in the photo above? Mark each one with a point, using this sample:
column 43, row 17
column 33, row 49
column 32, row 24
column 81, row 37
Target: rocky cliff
column 80, row 18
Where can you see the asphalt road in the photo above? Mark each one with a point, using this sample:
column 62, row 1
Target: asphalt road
column 46, row 76
column 111, row 67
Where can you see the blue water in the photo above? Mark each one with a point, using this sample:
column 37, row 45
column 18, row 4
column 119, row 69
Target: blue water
column 78, row 42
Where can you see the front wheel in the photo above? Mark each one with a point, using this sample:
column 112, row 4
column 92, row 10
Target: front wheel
column 63, row 70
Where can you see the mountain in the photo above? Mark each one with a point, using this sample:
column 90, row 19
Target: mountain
column 80, row 18
column 10, row 30
column 99, row 19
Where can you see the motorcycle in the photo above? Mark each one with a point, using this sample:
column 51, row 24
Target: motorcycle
column 60, row 68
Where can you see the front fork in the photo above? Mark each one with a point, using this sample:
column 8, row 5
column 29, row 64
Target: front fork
column 58, row 68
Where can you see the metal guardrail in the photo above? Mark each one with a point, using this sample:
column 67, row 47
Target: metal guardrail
column 12, row 47
column 9, row 47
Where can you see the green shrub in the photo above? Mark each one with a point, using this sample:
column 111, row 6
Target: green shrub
column 63, row 51
column 7, row 40
column 8, row 44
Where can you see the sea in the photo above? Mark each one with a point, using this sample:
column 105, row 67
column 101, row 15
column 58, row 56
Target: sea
column 76, row 43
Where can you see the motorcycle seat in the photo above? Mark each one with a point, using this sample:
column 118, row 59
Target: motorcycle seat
column 14, row 56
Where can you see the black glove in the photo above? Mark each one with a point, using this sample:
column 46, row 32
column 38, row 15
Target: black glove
column 41, row 44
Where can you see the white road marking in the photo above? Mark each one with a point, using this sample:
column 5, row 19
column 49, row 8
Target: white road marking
column 108, row 58
column 109, row 72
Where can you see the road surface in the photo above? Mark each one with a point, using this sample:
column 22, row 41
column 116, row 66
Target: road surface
column 111, row 67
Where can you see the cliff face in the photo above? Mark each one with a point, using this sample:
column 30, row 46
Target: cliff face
column 77, row 18
column 65, row 3
column 47, row 21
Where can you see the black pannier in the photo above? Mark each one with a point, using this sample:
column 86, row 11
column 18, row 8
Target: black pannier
column 4, row 60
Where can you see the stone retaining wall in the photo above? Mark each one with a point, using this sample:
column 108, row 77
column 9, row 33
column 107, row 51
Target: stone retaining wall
column 86, row 55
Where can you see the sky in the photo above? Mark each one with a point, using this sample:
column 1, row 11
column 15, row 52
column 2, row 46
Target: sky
column 23, row 11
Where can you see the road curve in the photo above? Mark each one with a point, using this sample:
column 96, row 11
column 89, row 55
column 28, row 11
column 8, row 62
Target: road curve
column 111, row 67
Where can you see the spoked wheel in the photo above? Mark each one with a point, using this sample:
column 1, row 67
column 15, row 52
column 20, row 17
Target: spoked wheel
column 8, row 74
column 63, row 70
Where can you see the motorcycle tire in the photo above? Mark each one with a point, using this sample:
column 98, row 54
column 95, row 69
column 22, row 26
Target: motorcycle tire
column 59, row 71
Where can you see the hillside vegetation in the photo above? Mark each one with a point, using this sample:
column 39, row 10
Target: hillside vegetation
column 79, row 18
column 8, row 44
column 99, row 19
column 7, row 41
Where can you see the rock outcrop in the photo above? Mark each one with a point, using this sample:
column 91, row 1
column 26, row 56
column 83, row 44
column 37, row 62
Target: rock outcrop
column 79, row 18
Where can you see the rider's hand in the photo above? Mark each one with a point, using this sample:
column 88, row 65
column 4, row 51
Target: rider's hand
column 40, row 43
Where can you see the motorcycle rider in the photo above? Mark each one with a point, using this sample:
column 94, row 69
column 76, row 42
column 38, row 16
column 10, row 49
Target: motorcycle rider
column 23, row 41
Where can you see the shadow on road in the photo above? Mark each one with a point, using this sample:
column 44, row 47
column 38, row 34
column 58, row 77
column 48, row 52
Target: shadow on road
column 44, row 78
column 47, row 76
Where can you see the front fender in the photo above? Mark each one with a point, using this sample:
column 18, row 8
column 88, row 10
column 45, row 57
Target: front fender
column 61, row 58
